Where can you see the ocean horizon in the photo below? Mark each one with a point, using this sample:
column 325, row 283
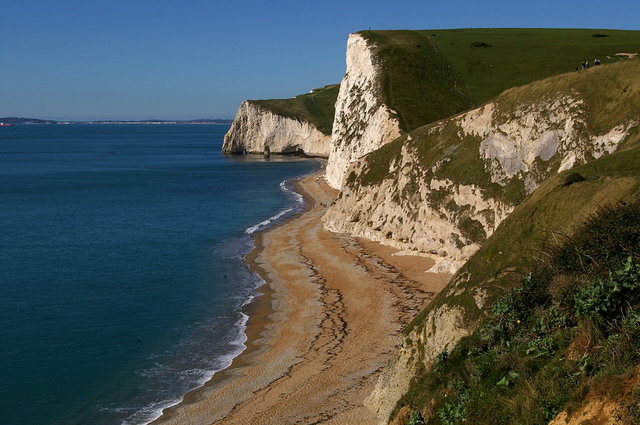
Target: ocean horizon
column 121, row 262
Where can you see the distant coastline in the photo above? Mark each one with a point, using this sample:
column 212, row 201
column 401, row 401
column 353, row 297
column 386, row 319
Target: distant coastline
column 20, row 120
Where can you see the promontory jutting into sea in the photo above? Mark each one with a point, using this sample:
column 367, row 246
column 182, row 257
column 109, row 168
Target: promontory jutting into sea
column 448, row 236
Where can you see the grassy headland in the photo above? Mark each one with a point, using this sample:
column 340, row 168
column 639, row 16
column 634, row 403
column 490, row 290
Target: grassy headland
column 316, row 107
column 558, row 325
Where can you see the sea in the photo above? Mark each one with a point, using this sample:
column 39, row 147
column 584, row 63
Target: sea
column 122, row 281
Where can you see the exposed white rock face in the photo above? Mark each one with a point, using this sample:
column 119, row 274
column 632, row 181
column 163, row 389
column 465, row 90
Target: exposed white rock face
column 533, row 131
column 362, row 122
column 403, row 212
column 414, row 207
column 608, row 143
column 538, row 131
column 393, row 382
column 254, row 128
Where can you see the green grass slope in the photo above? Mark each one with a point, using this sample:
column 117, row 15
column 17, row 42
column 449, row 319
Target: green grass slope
column 316, row 107
column 602, row 98
column 432, row 74
column 561, row 322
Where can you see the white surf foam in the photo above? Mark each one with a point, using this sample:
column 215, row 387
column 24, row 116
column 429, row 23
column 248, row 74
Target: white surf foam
column 299, row 202
column 151, row 412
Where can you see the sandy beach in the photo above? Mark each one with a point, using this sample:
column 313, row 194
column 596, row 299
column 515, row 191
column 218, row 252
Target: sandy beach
column 328, row 321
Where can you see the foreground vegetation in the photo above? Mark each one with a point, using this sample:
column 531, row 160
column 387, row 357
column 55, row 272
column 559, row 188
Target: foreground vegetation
column 570, row 334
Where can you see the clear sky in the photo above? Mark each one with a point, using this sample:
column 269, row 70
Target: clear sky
column 138, row 59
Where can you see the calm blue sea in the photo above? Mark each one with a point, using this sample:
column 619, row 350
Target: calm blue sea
column 121, row 274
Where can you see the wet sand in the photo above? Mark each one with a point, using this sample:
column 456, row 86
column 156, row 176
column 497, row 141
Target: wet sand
column 328, row 321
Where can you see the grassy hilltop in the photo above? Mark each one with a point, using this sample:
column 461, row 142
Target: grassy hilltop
column 611, row 94
column 432, row 74
column 316, row 107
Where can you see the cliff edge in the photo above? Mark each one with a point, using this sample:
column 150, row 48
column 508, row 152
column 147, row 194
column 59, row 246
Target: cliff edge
column 482, row 191
column 397, row 81
column 300, row 125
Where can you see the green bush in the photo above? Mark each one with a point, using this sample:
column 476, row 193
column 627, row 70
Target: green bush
column 415, row 418
column 606, row 299
column 604, row 242
column 453, row 411
column 541, row 347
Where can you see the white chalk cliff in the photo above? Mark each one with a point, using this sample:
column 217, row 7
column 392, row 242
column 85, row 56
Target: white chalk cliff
column 418, row 205
column 255, row 127
column 362, row 121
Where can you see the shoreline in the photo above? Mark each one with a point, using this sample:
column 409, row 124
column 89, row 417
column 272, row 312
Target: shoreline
column 258, row 310
column 303, row 322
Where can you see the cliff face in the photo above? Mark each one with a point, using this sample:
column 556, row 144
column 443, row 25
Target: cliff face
column 443, row 327
column 362, row 121
column 450, row 187
column 255, row 127
column 444, row 188
column 398, row 81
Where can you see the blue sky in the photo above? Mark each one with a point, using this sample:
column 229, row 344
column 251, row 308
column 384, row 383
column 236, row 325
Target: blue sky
column 95, row 59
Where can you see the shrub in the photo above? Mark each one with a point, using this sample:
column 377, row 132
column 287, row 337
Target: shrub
column 606, row 299
column 541, row 347
column 603, row 243
column 573, row 178
column 453, row 410
column 440, row 360
column 570, row 327
column 415, row 418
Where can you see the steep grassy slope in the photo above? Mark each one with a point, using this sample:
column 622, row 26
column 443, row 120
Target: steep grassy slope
column 316, row 107
column 564, row 337
column 432, row 74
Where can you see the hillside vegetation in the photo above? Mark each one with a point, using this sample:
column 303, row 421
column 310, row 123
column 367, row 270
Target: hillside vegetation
column 444, row 151
column 432, row 74
column 560, row 327
column 521, row 177
column 607, row 95
column 316, row 107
